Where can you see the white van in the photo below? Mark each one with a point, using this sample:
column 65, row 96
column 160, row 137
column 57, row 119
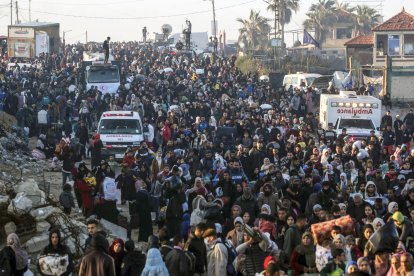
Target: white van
column 298, row 80
column 119, row 130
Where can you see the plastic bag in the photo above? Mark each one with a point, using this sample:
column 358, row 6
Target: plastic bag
column 384, row 240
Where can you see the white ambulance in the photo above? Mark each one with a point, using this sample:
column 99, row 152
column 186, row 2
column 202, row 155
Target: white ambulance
column 119, row 130
column 358, row 114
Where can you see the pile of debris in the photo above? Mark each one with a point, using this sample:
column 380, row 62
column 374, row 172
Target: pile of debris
column 27, row 210
column 27, row 205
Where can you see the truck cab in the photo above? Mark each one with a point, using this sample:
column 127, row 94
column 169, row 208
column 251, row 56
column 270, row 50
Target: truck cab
column 357, row 128
column 118, row 131
column 105, row 76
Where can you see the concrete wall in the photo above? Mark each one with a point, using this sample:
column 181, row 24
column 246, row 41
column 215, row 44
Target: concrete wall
column 401, row 84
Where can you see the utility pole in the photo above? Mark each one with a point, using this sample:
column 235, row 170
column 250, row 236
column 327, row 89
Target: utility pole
column 214, row 40
column 17, row 12
column 30, row 10
column 11, row 12
column 86, row 36
column 214, row 20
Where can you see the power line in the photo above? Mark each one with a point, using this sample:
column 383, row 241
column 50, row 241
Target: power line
column 143, row 17
column 89, row 4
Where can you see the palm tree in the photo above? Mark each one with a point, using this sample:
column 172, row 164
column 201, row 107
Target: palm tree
column 286, row 9
column 343, row 6
column 254, row 31
column 320, row 17
column 365, row 19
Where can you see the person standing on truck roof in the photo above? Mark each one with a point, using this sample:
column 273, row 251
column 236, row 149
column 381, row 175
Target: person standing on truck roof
column 106, row 49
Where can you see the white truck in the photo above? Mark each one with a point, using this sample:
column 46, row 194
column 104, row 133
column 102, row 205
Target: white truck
column 299, row 80
column 106, row 76
column 119, row 130
column 358, row 114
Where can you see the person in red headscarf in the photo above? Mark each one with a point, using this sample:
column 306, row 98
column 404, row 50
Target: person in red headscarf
column 116, row 251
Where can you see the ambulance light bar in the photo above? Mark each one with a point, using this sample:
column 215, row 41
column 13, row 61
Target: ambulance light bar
column 119, row 115
column 354, row 105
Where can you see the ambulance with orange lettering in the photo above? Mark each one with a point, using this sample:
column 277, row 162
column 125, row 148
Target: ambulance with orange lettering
column 358, row 114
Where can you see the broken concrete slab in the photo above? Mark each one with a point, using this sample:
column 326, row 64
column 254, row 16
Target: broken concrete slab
column 113, row 229
column 43, row 213
column 20, row 205
column 42, row 226
column 37, row 243
column 32, row 191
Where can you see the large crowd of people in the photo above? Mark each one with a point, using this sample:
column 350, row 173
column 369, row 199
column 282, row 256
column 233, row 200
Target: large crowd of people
column 238, row 178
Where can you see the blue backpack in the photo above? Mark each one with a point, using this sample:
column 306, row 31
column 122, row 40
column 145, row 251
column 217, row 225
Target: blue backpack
column 231, row 256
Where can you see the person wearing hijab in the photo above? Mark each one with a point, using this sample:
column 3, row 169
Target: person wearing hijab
column 53, row 249
column 236, row 235
column 364, row 265
column 404, row 226
column 117, row 252
column 395, row 265
column 154, row 264
column 303, row 257
column 343, row 183
column 144, row 212
column 377, row 223
column 392, row 208
column 16, row 255
column 340, row 242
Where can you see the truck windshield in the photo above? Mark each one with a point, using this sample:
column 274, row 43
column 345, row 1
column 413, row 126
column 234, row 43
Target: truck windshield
column 120, row 126
column 309, row 80
column 103, row 75
column 356, row 123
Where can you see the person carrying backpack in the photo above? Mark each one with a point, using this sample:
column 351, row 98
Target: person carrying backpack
column 217, row 255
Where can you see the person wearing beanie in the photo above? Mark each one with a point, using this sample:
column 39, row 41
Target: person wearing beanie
column 404, row 226
column 351, row 266
column 217, row 254
column 134, row 260
column 97, row 261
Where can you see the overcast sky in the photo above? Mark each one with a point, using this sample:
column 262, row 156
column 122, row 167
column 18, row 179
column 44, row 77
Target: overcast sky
column 123, row 19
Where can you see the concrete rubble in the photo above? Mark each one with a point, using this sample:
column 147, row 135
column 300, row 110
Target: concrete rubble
column 27, row 206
